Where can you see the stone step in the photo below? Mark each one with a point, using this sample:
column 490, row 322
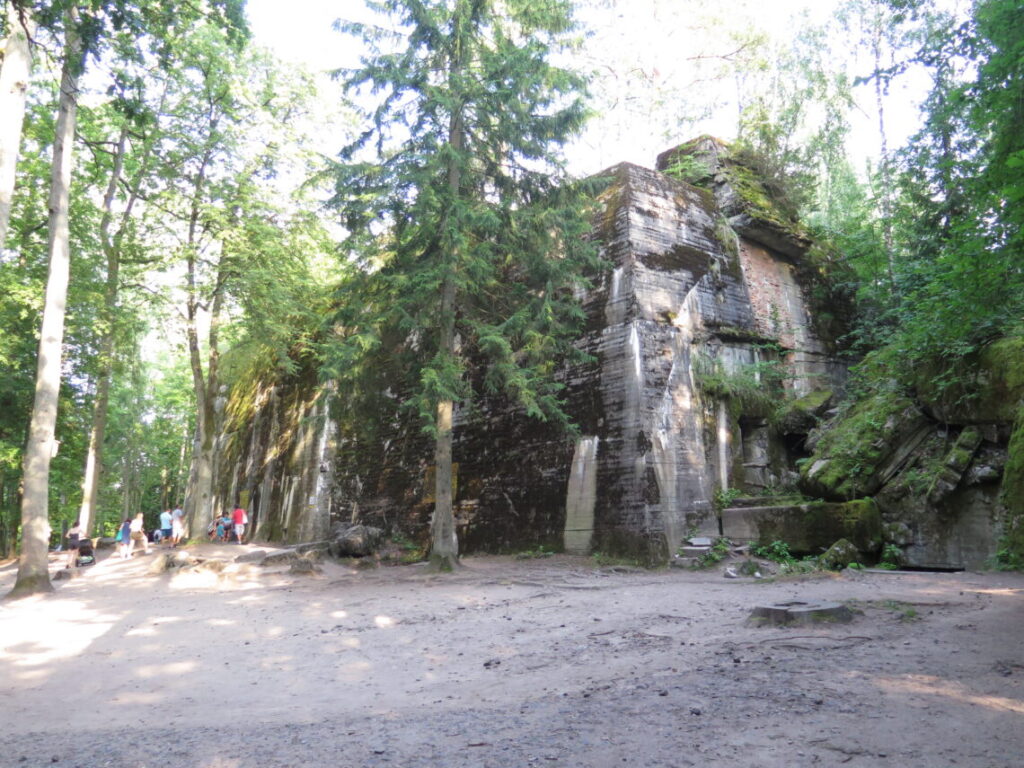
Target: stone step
column 765, row 501
column 690, row 551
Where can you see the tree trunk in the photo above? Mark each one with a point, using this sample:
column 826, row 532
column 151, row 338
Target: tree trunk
column 14, row 75
column 112, row 249
column 33, row 566
column 94, row 457
column 444, row 546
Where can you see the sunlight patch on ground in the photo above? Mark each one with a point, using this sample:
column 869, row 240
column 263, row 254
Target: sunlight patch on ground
column 171, row 668
column 937, row 686
column 339, row 615
column 354, row 671
column 40, row 631
column 384, row 621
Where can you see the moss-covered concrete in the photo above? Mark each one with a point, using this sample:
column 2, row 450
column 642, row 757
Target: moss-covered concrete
column 1012, row 499
column 800, row 416
column 809, row 529
column 853, row 448
column 986, row 388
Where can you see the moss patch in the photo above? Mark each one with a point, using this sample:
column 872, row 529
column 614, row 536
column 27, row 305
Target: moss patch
column 812, row 528
column 986, row 387
column 853, row 446
column 1012, row 496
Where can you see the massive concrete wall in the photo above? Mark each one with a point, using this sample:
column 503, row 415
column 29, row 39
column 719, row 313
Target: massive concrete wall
column 688, row 287
column 682, row 284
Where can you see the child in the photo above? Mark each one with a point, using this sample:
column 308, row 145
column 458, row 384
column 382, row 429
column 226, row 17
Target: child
column 124, row 536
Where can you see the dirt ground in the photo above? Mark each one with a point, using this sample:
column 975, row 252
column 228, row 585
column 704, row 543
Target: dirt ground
column 507, row 663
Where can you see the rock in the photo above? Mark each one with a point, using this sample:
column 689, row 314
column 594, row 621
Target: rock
column 166, row 561
column 313, row 555
column 319, row 547
column 255, row 556
column 800, row 612
column 105, row 542
column 216, row 566
column 65, row 574
column 284, row 557
column 700, row 541
column 954, row 465
column 897, row 533
column 730, row 573
column 180, row 559
column 750, row 568
column 803, row 414
column 839, row 555
column 304, row 566
column 356, row 541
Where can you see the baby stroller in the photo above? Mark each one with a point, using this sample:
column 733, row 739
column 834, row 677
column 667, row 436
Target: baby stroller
column 86, row 555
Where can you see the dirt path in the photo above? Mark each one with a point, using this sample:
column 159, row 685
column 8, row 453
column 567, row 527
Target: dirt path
column 507, row 663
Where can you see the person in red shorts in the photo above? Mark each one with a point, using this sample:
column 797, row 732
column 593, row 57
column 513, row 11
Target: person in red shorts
column 239, row 518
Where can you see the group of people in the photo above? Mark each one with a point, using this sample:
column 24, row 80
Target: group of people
column 227, row 527
column 132, row 532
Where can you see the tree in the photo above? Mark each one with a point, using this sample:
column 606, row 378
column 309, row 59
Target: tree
column 33, row 567
column 14, row 74
column 474, row 234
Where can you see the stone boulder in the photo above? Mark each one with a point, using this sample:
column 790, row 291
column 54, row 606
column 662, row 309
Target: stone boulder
column 355, row 541
column 285, row 557
column 861, row 450
column 305, row 567
column 169, row 561
column 804, row 414
column 987, row 388
column 839, row 555
column 256, row 556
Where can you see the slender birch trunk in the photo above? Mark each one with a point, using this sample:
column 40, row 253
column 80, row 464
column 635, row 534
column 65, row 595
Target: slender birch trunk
column 33, row 565
column 14, row 75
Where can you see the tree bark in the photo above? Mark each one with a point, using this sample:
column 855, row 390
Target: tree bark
column 94, row 456
column 33, row 565
column 444, row 547
column 14, row 75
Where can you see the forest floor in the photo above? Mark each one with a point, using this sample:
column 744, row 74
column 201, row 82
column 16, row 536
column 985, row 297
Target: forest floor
column 545, row 662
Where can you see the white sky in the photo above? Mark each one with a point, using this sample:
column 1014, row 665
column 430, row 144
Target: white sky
column 632, row 39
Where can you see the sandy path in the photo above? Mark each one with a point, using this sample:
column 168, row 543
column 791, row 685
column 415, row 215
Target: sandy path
column 507, row 663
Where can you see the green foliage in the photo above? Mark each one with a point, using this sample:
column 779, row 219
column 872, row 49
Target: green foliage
column 724, row 497
column 777, row 551
column 1011, row 549
column 532, row 554
column 456, row 204
column 753, row 388
column 892, row 557
column 855, row 442
column 718, row 552
column 605, row 560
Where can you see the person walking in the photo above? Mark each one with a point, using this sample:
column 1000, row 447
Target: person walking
column 239, row 518
column 165, row 525
column 73, row 534
column 138, row 533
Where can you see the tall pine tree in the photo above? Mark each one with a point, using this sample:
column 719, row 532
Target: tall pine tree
column 456, row 198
